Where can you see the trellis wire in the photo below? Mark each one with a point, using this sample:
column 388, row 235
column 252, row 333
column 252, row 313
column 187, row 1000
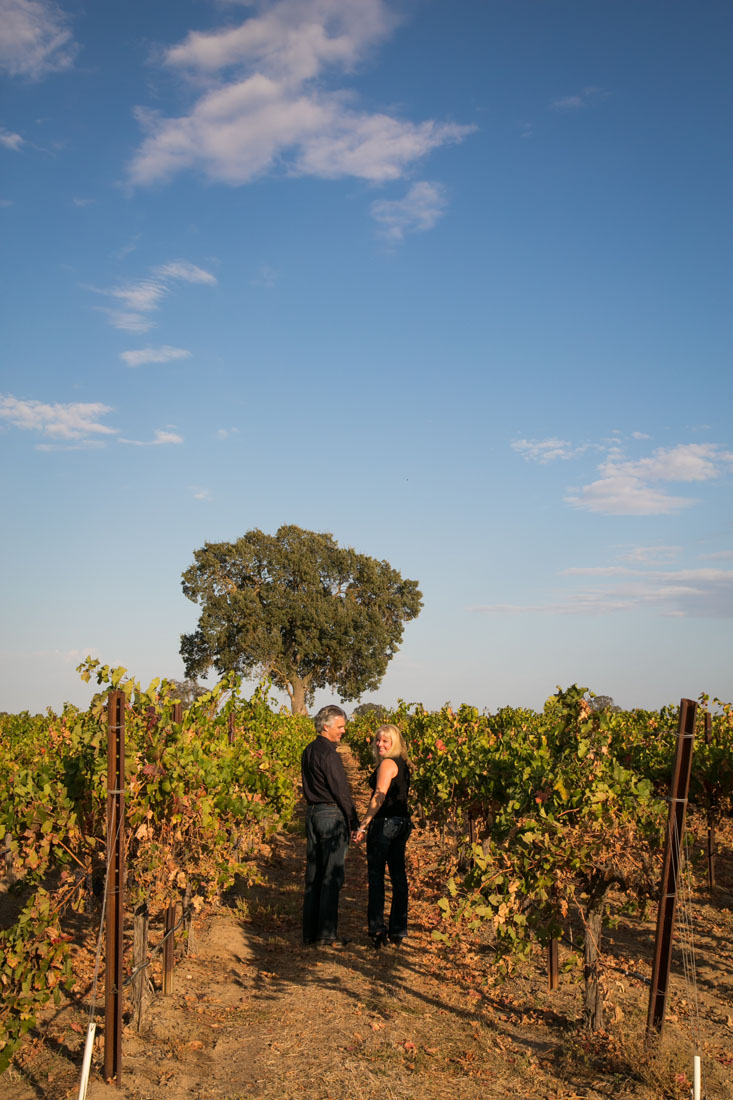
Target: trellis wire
column 687, row 946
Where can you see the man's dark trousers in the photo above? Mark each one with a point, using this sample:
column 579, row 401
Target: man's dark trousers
column 326, row 841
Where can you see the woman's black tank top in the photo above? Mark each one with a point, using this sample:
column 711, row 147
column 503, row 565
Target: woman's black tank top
column 395, row 803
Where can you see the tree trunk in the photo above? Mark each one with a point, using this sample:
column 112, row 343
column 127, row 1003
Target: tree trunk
column 297, row 696
column 593, row 999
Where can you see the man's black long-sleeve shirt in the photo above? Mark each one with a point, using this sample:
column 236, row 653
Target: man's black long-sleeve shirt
column 324, row 779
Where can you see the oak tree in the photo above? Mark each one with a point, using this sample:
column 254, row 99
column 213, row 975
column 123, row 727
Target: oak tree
column 297, row 607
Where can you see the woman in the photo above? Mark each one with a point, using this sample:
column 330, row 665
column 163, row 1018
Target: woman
column 388, row 821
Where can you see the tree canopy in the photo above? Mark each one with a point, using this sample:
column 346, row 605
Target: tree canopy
column 187, row 691
column 297, row 607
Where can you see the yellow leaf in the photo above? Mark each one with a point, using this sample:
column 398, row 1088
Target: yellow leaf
column 561, row 790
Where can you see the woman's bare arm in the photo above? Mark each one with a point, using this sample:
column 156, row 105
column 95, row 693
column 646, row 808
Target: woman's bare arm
column 386, row 772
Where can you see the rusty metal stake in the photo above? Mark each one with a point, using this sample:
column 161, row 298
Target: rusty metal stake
column 711, row 821
column 115, row 885
column 553, row 972
column 168, row 949
column 671, row 866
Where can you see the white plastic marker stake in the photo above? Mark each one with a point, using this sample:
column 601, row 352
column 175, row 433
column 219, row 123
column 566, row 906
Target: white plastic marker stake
column 696, row 1094
column 86, row 1064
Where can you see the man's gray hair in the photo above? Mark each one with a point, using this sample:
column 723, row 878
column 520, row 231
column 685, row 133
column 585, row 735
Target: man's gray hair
column 326, row 716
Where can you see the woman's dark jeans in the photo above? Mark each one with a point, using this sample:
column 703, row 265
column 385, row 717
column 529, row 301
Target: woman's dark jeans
column 326, row 840
column 386, row 842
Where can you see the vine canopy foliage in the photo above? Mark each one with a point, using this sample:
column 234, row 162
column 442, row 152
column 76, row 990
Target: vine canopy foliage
column 298, row 608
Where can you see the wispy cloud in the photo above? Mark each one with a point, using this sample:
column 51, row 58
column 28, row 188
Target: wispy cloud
column 199, row 493
column 186, row 272
column 67, row 656
column 578, row 102
column 548, row 450
column 61, row 422
column 161, row 437
column 263, row 106
column 631, row 487
column 164, row 354
column 691, row 593
column 10, row 140
column 225, row 433
column 81, row 203
column 266, row 277
column 419, row 210
column 144, row 297
column 123, row 252
column 651, row 554
column 35, row 38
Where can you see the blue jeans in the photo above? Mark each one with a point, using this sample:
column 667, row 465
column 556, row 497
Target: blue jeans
column 326, row 840
column 386, row 842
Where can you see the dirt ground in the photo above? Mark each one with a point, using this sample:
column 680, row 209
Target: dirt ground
column 253, row 1013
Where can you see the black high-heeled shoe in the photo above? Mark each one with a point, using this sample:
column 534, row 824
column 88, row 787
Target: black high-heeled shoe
column 379, row 940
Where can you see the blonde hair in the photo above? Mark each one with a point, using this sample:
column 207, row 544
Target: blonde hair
column 398, row 748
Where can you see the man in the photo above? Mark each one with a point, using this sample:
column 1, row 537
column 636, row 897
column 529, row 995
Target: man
column 329, row 821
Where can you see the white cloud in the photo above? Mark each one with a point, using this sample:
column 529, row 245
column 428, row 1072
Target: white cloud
column 82, row 203
column 35, row 38
column 185, row 271
column 419, row 210
column 260, row 108
column 145, row 296
column 59, row 422
column 6, row 203
column 162, row 436
column 200, row 494
column 165, row 436
column 686, row 462
column 625, row 487
column 291, row 39
column 10, row 140
column 371, row 147
column 140, row 297
column 164, row 354
column 224, row 433
column 626, row 496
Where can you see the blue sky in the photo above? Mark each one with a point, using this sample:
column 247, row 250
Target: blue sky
column 450, row 281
